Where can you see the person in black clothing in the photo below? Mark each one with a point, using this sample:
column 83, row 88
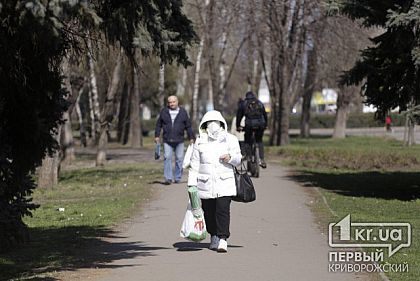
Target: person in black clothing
column 255, row 120
column 173, row 120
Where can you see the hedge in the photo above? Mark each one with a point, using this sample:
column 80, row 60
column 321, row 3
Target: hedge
column 355, row 120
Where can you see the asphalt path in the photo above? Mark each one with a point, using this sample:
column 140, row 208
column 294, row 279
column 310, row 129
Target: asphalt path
column 274, row 238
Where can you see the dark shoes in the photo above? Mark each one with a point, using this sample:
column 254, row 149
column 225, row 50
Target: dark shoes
column 263, row 164
column 168, row 182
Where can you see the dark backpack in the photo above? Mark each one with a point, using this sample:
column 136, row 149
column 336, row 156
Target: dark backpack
column 254, row 114
column 254, row 109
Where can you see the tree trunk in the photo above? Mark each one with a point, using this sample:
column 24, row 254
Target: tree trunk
column 213, row 94
column 194, row 114
column 135, row 124
column 305, row 131
column 274, row 92
column 410, row 134
column 284, row 101
column 66, row 140
column 210, row 100
column 94, row 98
column 67, row 143
column 108, row 111
column 413, row 129
column 222, row 72
column 256, row 77
column 49, row 171
column 340, row 123
column 82, row 128
column 124, row 115
column 181, row 82
column 92, row 117
column 284, row 121
column 308, row 91
column 406, row 130
column 343, row 102
column 161, row 89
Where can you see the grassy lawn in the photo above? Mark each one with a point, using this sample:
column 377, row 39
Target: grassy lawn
column 75, row 215
column 373, row 179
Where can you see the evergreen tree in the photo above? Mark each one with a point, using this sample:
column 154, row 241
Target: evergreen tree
column 34, row 38
column 390, row 69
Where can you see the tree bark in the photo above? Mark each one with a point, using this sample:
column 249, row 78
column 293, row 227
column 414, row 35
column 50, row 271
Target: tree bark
column 181, row 82
column 410, row 134
column 284, row 139
column 340, row 123
column 124, row 114
column 161, row 89
column 406, row 130
column 82, row 128
column 210, row 100
column 108, row 111
column 305, row 130
column 209, row 53
column 49, row 171
column 222, row 71
column 256, row 77
column 66, row 140
column 135, row 138
column 273, row 89
column 94, row 98
column 308, row 92
column 343, row 102
column 194, row 114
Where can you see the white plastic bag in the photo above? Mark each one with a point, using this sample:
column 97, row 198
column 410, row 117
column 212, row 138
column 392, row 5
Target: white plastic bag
column 187, row 156
column 193, row 227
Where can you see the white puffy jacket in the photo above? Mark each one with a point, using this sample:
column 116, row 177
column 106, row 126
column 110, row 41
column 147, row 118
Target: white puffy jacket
column 212, row 177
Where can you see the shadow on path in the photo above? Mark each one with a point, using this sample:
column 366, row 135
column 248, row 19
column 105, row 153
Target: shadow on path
column 73, row 248
column 193, row 246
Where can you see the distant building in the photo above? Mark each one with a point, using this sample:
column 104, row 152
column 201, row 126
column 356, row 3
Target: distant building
column 264, row 93
column 323, row 102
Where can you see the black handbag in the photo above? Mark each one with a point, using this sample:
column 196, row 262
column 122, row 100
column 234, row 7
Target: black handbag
column 245, row 191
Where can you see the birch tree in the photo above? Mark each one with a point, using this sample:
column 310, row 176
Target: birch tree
column 161, row 91
column 93, row 95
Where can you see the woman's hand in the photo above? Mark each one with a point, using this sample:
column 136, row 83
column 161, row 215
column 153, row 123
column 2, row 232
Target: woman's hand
column 225, row 158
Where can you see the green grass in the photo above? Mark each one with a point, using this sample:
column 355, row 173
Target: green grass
column 352, row 153
column 373, row 179
column 94, row 200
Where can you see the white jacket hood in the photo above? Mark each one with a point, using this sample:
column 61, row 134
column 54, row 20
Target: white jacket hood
column 212, row 115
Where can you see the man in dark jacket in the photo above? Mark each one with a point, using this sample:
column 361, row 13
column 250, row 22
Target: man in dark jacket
column 255, row 121
column 173, row 120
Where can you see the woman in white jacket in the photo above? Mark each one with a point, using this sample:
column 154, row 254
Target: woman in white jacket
column 215, row 154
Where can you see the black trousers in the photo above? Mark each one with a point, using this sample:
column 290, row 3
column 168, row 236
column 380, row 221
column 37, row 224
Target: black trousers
column 217, row 216
column 258, row 139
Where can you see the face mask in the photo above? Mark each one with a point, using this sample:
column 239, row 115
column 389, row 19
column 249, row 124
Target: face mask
column 213, row 128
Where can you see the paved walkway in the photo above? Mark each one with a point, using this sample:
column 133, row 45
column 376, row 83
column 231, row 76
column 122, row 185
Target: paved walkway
column 272, row 239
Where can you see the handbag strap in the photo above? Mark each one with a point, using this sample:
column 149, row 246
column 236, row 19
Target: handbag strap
column 242, row 169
